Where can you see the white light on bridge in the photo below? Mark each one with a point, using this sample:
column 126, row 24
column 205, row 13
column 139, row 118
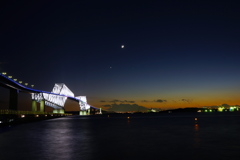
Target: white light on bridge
column 22, row 116
column 4, row 73
column 20, row 82
column 57, row 98
column 83, row 103
column 32, row 85
column 26, row 84
column 61, row 88
column 9, row 76
column 15, row 79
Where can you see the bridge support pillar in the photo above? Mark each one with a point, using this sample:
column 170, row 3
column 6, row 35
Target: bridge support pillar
column 83, row 113
column 13, row 100
column 42, row 107
column 34, row 105
column 61, row 111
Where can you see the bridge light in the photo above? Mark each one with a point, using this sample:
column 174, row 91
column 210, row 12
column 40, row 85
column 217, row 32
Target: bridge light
column 20, row 82
column 4, row 73
column 9, row 76
column 32, row 85
column 15, row 79
column 26, row 84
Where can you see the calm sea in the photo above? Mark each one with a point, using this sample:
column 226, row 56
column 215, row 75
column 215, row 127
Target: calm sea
column 117, row 137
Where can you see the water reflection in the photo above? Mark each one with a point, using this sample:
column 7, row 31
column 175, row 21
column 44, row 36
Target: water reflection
column 63, row 139
column 102, row 137
column 196, row 136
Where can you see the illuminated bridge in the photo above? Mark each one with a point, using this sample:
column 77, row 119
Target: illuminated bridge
column 55, row 99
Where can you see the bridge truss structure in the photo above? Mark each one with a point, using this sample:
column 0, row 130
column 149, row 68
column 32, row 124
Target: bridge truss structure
column 55, row 99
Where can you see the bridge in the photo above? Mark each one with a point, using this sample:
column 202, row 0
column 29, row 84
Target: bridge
column 55, row 99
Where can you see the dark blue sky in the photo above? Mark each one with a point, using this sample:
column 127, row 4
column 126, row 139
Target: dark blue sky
column 177, row 54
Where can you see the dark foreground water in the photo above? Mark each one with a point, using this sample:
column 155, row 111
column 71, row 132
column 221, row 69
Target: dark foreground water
column 142, row 137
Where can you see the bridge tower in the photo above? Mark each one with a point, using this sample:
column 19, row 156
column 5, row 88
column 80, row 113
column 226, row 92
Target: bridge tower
column 56, row 99
column 84, row 107
column 38, row 97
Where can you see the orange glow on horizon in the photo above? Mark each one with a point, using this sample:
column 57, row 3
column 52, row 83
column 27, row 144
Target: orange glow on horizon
column 175, row 105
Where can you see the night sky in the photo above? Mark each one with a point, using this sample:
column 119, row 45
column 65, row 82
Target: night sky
column 176, row 54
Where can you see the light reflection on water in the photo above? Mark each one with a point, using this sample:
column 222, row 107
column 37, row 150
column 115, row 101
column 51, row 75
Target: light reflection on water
column 60, row 137
column 196, row 136
column 118, row 137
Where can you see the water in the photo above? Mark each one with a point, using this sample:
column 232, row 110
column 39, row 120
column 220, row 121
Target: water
column 142, row 137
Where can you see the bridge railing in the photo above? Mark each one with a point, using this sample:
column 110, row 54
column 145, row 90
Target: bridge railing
column 7, row 111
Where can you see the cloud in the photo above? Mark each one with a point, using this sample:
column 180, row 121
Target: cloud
column 187, row 100
column 126, row 108
column 107, row 105
column 126, row 101
column 120, row 101
column 102, row 101
column 114, row 101
column 160, row 100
